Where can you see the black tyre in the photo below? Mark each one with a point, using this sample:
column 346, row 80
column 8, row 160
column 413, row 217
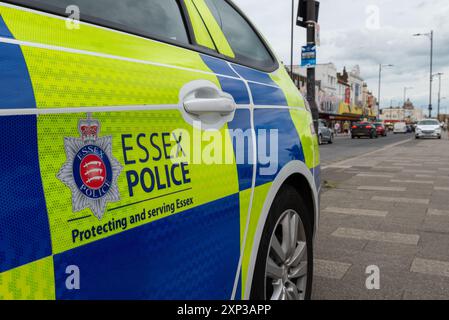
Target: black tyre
column 320, row 140
column 331, row 139
column 284, row 267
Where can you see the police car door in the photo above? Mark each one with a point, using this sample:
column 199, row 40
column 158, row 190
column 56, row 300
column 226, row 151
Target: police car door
column 121, row 171
column 278, row 115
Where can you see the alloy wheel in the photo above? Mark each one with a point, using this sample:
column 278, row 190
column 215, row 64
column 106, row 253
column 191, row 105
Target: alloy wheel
column 286, row 266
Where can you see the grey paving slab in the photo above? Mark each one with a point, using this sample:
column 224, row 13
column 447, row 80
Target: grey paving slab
column 431, row 267
column 372, row 235
column 330, row 269
column 446, row 189
column 382, row 188
column 437, row 212
column 356, row 212
column 412, row 181
column 390, row 248
column 401, row 199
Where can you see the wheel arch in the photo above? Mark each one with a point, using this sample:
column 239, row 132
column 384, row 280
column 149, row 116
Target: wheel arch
column 296, row 174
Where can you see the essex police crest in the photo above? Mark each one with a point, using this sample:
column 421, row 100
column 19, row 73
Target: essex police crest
column 91, row 172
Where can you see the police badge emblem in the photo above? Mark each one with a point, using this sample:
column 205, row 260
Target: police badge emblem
column 91, row 172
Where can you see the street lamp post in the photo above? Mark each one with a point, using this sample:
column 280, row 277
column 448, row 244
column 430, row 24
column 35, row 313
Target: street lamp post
column 439, row 74
column 430, row 35
column 380, row 85
column 405, row 93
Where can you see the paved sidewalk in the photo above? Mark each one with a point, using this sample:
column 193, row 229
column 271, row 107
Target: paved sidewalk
column 389, row 209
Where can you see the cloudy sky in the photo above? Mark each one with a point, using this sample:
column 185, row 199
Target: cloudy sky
column 366, row 33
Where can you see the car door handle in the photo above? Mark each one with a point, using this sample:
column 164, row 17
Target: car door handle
column 204, row 101
column 198, row 106
column 205, row 98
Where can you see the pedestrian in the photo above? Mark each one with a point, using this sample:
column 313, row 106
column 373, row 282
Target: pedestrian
column 337, row 128
column 346, row 128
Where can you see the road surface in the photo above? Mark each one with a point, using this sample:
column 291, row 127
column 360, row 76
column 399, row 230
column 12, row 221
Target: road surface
column 345, row 148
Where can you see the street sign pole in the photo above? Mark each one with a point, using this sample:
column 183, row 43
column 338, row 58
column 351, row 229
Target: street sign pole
column 308, row 18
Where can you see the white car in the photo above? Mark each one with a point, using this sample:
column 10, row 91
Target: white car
column 400, row 127
column 428, row 129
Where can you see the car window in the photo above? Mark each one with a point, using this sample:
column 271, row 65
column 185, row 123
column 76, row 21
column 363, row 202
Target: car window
column 159, row 18
column 428, row 123
column 242, row 38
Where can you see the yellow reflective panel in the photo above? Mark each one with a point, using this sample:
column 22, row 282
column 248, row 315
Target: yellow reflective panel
column 62, row 79
column 151, row 186
column 303, row 121
column 292, row 94
column 260, row 194
column 33, row 281
column 202, row 36
column 219, row 38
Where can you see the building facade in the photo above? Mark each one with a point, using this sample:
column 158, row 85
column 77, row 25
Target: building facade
column 408, row 113
column 341, row 97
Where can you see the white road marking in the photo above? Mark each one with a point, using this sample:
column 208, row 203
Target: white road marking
column 330, row 269
column 356, row 212
column 377, row 188
column 401, row 200
column 410, row 239
column 430, row 267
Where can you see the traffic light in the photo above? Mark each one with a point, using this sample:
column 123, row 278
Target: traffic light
column 303, row 17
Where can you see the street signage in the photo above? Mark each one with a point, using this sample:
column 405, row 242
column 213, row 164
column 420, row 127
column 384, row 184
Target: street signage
column 308, row 56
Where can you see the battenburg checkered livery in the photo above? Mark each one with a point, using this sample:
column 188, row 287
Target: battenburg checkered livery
column 134, row 147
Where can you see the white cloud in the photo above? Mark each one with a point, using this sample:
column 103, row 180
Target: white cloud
column 348, row 39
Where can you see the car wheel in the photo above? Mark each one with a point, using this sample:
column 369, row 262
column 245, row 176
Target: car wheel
column 416, row 137
column 284, row 266
column 320, row 140
column 331, row 139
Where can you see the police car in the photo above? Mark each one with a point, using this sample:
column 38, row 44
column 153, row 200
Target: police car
column 151, row 150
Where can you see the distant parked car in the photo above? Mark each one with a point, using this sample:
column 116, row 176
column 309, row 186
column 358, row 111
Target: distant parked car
column 381, row 130
column 428, row 129
column 400, row 127
column 325, row 134
column 364, row 129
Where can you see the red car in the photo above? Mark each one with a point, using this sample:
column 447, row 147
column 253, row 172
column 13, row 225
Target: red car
column 381, row 130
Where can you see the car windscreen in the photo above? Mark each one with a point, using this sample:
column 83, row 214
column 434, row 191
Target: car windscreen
column 428, row 123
